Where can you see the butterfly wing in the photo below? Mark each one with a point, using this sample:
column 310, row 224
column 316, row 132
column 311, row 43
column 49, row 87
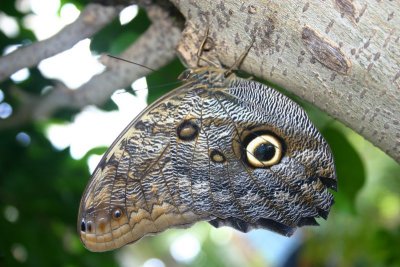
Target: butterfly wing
column 222, row 181
column 134, row 190
column 283, row 196
column 186, row 158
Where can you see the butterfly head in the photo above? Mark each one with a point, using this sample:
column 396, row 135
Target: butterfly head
column 212, row 76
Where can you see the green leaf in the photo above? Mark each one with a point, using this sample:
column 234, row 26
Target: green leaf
column 164, row 80
column 97, row 151
column 122, row 42
column 114, row 38
column 78, row 3
column 349, row 168
column 109, row 105
column 8, row 7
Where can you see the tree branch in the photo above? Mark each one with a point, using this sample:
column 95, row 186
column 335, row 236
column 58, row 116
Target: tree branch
column 93, row 18
column 343, row 56
column 155, row 48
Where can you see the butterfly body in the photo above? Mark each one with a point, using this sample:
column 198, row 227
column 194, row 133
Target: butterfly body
column 222, row 149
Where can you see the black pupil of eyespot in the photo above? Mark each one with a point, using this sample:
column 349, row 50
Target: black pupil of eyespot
column 117, row 213
column 264, row 152
column 83, row 226
column 89, row 227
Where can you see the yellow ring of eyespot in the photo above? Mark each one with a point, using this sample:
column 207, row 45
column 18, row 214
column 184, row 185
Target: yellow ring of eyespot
column 259, row 140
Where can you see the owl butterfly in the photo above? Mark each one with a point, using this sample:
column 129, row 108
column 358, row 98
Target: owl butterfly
column 219, row 148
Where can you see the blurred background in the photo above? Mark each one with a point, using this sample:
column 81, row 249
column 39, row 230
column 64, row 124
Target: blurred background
column 45, row 166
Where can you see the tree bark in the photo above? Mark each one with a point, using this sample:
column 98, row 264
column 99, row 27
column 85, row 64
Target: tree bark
column 92, row 19
column 343, row 56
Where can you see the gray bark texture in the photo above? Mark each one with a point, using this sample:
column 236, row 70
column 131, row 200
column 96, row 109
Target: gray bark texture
column 341, row 55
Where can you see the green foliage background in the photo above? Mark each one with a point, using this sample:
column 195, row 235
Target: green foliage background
column 44, row 185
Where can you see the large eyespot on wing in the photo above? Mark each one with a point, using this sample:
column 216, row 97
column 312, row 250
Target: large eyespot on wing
column 262, row 150
column 283, row 152
column 134, row 191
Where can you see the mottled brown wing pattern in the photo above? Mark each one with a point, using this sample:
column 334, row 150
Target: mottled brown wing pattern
column 133, row 191
column 226, row 150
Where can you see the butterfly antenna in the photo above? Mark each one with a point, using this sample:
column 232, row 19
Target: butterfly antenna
column 239, row 61
column 131, row 62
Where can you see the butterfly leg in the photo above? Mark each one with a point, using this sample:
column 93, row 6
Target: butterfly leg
column 239, row 61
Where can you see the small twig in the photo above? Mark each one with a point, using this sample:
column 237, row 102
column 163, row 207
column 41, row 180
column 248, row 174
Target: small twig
column 92, row 19
column 145, row 51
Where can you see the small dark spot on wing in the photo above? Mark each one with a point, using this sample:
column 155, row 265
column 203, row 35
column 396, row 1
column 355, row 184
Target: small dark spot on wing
column 276, row 226
column 307, row 221
column 83, row 226
column 113, row 160
column 236, row 223
column 102, row 163
column 187, row 130
column 217, row 156
column 329, row 182
column 323, row 213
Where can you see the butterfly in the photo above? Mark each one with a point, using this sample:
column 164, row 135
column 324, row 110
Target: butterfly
column 219, row 148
